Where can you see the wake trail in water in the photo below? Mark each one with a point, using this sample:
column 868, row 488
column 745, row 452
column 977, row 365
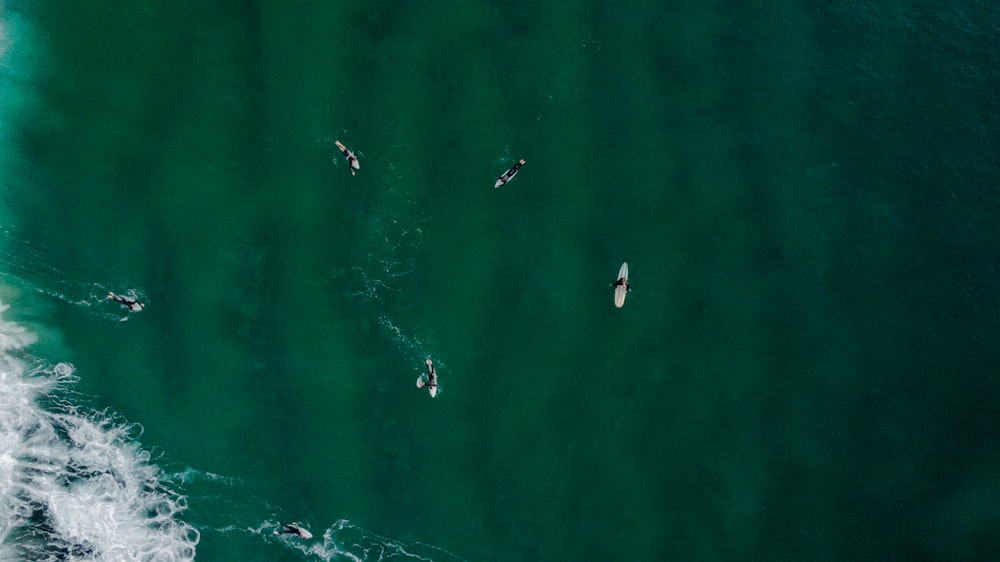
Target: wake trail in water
column 343, row 540
column 21, row 261
column 346, row 541
column 391, row 239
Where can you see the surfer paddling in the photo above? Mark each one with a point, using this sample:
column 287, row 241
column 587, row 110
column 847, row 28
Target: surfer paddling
column 351, row 158
column 621, row 285
column 508, row 175
column 129, row 302
column 430, row 379
column 293, row 529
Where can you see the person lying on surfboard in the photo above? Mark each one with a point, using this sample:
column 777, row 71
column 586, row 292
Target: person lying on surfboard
column 430, row 380
column 293, row 529
column 621, row 286
column 128, row 302
column 508, row 175
column 351, row 158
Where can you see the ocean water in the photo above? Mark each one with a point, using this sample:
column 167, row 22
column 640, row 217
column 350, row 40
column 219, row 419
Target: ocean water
column 807, row 194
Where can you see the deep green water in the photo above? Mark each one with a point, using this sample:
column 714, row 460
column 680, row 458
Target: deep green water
column 807, row 195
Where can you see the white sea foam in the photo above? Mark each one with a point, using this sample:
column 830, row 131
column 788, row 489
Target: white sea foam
column 75, row 485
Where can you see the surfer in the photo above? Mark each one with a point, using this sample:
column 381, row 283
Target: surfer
column 621, row 285
column 351, row 158
column 129, row 302
column 293, row 529
column 508, row 175
column 430, row 380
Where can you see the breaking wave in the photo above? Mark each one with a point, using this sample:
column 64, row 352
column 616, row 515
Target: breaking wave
column 75, row 484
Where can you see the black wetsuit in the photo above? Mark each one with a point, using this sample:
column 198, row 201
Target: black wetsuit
column 509, row 173
column 131, row 303
column 351, row 158
column 432, row 378
column 291, row 530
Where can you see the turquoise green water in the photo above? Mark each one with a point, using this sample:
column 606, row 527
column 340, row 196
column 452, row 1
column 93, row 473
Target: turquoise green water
column 806, row 196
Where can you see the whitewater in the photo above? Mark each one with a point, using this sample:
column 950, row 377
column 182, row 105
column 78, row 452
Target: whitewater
column 76, row 484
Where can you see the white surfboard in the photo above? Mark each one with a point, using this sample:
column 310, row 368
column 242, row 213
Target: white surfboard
column 621, row 290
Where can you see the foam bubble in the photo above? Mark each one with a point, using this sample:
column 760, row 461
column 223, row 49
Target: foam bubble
column 75, row 485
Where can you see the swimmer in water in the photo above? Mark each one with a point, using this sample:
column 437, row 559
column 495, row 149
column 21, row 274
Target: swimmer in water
column 508, row 175
column 293, row 529
column 351, row 158
column 430, row 380
column 128, row 302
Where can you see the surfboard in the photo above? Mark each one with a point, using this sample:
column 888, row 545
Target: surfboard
column 621, row 290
